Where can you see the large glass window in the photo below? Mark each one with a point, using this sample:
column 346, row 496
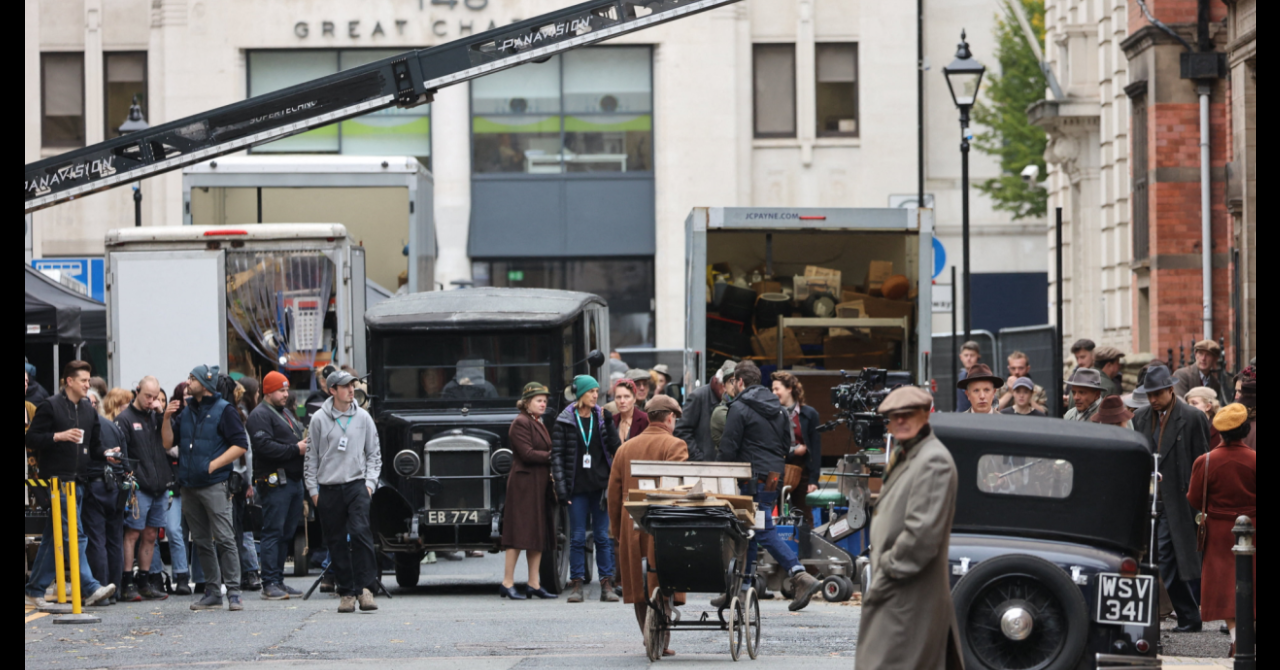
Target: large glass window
column 774, row 80
column 62, row 99
column 626, row 284
column 392, row 131
column 465, row 367
column 837, row 90
column 589, row 110
column 126, row 78
column 1025, row 476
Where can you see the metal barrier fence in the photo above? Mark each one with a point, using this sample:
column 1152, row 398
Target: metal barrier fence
column 940, row 361
column 1037, row 342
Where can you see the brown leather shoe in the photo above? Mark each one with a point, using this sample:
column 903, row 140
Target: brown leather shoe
column 366, row 601
column 575, row 591
column 347, row 605
column 805, row 586
column 606, row 591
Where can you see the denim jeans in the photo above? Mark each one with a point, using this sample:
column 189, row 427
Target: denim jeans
column 177, row 540
column 44, row 571
column 768, row 538
column 281, row 513
column 584, row 509
column 103, row 513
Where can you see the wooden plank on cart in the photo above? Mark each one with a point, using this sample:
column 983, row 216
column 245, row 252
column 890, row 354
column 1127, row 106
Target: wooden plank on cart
column 690, row 469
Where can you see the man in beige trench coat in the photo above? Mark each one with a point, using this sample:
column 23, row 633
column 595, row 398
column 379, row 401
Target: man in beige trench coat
column 908, row 621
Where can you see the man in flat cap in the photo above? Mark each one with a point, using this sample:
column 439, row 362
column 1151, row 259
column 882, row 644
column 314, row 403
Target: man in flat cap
column 908, row 621
column 1201, row 371
column 1107, row 361
column 1085, row 386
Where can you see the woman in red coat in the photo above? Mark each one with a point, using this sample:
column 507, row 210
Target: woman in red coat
column 524, row 522
column 1231, row 475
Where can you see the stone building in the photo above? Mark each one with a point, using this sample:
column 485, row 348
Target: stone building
column 761, row 103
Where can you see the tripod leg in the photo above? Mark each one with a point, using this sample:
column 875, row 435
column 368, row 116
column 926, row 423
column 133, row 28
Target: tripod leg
column 316, row 584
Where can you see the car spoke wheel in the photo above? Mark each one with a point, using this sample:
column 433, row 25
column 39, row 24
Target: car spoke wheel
column 1020, row 612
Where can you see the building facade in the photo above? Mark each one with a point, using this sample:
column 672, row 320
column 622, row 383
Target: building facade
column 574, row 173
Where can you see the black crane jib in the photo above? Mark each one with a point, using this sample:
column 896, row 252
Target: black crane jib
column 405, row 80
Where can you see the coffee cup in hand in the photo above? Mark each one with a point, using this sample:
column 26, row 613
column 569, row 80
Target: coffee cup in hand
column 78, row 434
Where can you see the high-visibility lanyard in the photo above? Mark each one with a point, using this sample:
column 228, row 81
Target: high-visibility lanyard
column 586, row 434
column 338, row 421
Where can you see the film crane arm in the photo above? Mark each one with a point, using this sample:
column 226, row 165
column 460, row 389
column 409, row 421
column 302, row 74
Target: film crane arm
column 405, row 80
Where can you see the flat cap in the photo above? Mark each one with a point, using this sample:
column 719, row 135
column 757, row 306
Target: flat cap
column 1230, row 417
column 663, row 403
column 1106, row 354
column 906, row 397
column 1209, row 346
column 638, row 375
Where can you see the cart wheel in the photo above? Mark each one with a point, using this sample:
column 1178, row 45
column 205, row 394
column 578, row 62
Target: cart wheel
column 737, row 621
column 753, row 624
column 832, row 587
column 655, row 638
column 847, row 591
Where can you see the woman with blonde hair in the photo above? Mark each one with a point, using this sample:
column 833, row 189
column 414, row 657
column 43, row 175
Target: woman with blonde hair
column 1205, row 399
column 524, row 526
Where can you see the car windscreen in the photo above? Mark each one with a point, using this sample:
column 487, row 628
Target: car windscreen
column 1025, row 476
column 464, row 367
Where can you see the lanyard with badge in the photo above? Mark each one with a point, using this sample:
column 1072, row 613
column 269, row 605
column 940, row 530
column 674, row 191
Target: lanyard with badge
column 586, row 439
column 342, row 442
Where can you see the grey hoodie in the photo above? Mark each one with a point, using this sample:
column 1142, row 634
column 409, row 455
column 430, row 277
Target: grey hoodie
column 325, row 464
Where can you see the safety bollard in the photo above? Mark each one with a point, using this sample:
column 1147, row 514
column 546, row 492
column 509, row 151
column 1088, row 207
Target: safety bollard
column 60, row 580
column 73, row 537
column 1244, row 549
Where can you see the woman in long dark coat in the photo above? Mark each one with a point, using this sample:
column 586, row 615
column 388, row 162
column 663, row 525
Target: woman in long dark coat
column 524, row 522
column 1232, row 491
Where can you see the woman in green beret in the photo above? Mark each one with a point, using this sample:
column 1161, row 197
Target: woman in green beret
column 524, row 523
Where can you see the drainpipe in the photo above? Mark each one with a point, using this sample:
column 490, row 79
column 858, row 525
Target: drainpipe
column 1206, row 234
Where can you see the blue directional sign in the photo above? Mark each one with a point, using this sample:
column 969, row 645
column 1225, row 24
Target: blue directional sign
column 939, row 257
column 86, row 270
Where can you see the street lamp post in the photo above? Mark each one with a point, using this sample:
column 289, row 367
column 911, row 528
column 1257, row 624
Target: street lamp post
column 133, row 124
column 964, row 76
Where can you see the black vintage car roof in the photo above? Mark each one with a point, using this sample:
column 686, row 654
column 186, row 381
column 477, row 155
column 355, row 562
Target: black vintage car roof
column 1109, row 503
column 478, row 308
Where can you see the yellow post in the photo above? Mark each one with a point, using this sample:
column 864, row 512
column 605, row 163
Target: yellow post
column 73, row 537
column 55, row 505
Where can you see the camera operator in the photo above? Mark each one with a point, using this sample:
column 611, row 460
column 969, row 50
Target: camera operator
column 140, row 422
column 278, row 438
column 757, row 431
column 341, row 467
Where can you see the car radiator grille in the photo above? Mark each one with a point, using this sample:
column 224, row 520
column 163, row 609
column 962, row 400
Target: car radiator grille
column 459, row 493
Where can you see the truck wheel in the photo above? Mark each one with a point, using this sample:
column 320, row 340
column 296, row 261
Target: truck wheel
column 408, row 569
column 554, row 571
column 1053, row 619
column 301, row 564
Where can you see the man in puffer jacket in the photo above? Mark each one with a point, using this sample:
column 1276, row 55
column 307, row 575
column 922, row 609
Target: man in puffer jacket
column 341, row 468
column 757, row 431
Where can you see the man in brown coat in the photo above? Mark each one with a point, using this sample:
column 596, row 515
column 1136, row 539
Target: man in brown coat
column 908, row 621
column 656, row 443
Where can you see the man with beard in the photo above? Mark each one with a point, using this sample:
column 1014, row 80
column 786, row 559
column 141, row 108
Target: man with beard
column 140, row 422
column 277, row 479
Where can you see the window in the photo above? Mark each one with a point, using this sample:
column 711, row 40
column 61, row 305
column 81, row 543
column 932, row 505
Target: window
column 837, row 90
column 465, row 367
column 1141, row 205
column 62, row 99
column 626, row 284
column 392, row 131
column 775, row 90
column 126, row 77
column 589, row 110
column 1025, row 476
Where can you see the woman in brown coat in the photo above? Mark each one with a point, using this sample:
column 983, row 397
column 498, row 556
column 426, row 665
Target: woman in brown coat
column 1231, row 471
column 524, row 521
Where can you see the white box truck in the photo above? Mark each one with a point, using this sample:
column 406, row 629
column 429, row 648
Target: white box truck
column 250, row 298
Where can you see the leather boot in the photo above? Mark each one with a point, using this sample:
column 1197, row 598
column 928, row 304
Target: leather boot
column 181, row 584
column 575, row 591
column 606, row 590
column 804, row 585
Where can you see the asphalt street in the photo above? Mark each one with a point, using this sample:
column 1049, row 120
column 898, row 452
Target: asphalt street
column 453, row 619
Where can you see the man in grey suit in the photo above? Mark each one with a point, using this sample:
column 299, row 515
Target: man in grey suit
column 1180, row 434
column 910, row 535
column 694, row 426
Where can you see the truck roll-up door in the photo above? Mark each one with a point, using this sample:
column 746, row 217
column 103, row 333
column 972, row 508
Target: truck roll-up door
column 168, row 314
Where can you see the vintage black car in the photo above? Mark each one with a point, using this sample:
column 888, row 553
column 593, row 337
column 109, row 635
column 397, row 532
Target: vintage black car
column 447, row 368
column 1050, row 563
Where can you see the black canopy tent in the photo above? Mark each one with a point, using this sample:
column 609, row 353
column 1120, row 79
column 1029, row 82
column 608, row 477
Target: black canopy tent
column 58, row 315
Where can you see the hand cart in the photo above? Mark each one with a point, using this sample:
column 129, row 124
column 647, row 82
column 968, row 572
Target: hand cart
column 699, row 550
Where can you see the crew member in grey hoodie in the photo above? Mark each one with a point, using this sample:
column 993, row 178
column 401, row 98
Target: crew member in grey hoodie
column 341, row 469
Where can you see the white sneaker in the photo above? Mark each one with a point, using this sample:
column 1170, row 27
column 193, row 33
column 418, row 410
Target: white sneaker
column 101, row 594
column 33, row 601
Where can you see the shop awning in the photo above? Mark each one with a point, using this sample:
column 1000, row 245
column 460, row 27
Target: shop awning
column 56, row 314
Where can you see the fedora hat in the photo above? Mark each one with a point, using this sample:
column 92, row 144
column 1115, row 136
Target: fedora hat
column 1088, row 378
column 980, row 373
column 1112, row 412
column 1157, row 379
